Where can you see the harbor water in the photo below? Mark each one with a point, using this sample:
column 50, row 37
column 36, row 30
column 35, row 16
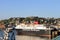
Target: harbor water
column 25, row 37
column 21, row 37
column 13, row 36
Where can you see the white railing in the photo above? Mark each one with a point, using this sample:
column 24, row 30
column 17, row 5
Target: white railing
column 30, row 27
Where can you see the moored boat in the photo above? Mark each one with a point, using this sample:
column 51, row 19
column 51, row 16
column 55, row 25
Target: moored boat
column 36, row 30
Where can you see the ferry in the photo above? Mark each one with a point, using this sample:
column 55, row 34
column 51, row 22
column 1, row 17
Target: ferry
column 36, row 30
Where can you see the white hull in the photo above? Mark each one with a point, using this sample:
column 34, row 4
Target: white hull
column 39, row 27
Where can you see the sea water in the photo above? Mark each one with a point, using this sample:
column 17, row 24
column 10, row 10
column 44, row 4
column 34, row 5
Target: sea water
column 56, row 38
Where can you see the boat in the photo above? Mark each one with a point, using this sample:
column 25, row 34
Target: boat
column 32, row 30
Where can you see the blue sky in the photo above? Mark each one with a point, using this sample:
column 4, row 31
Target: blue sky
column 24, row 8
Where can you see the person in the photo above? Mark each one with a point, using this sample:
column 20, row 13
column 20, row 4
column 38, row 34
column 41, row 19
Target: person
column 12, row 32
column 1, row 34
column 6, row 30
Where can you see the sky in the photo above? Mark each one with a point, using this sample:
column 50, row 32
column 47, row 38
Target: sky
column 24, row 8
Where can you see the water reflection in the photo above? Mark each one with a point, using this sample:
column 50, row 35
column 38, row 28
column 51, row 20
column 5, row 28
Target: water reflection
column 26, row 37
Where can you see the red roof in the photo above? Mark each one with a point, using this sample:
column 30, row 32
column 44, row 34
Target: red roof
column 35, row 22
